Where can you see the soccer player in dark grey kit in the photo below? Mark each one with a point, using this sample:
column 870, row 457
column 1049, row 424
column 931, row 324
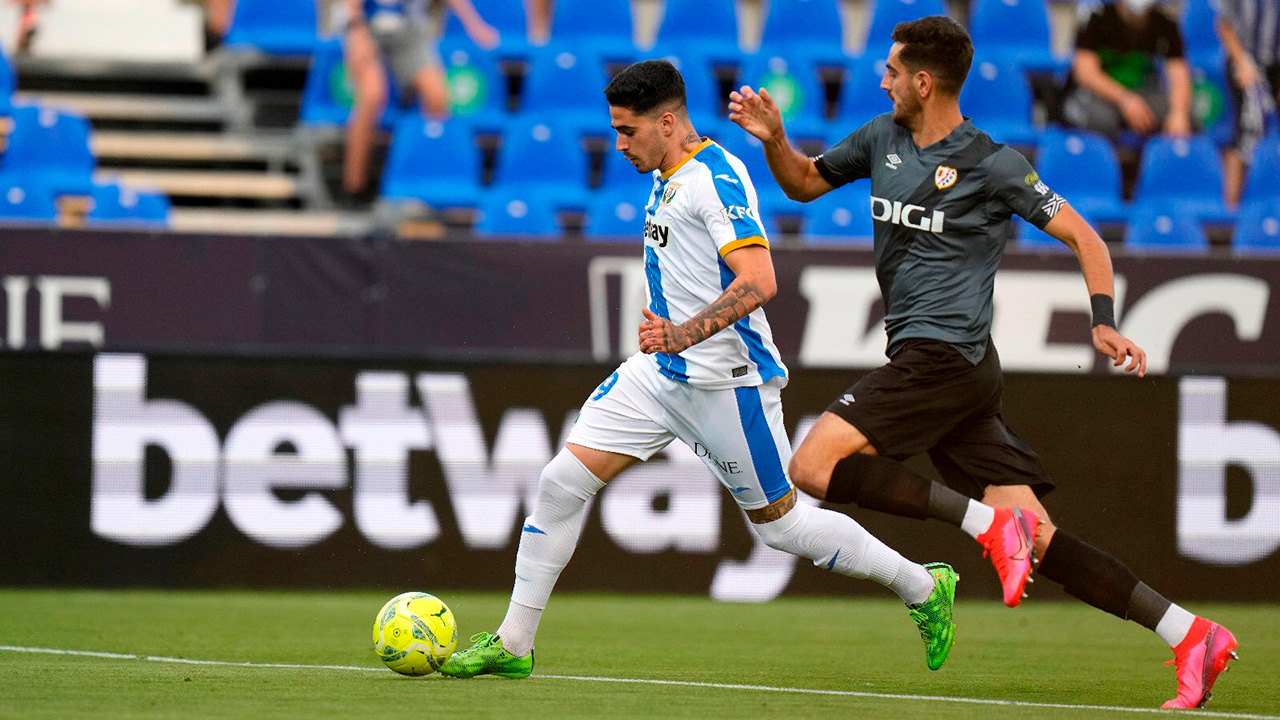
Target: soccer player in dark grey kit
column 942, row 195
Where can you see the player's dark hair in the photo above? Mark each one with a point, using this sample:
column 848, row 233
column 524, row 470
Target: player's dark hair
column 645, row 86
column 938, row 45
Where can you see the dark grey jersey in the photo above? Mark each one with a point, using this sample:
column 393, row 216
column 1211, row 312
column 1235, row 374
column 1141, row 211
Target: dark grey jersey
column 941, row 218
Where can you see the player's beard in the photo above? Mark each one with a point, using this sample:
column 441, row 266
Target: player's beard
column 906, row 111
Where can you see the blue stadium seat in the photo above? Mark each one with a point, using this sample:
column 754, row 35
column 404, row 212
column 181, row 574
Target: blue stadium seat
column 841, row 217
column 1031, row 237
column 795, row 89
column 328, row 95
column 1028, row 47
column 276, row 27
column 26, row 203
column 506, row 16
column 7, row 85
column 51, row 146
column 807, row 30
column 887, row 14
column 1263, row 181
column 1154, row 228
column 1258, row 228
column 861, row 98
column 998, row 98
column 543, row 159
column 1082, row 167
column 114, row 204
column 708, row 28
column 1200, row 36
column 1185, row 173
column 432, row 162
column 508, row 214
column 568, row 86
column 614, row 216
column 603, row 29
column 477, row 89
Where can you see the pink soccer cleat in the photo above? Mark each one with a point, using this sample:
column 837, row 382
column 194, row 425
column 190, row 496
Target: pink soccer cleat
column 1010, row 543
column 1201, row 656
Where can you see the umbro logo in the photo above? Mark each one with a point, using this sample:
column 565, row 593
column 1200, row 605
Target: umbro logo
column 893, row 161
column 847, row 399
column 726, row 178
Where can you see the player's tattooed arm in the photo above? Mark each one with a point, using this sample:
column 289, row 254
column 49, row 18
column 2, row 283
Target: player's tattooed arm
column 738, row 300
column 769, row 513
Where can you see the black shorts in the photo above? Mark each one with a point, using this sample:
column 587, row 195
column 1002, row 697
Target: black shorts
column 929, row 398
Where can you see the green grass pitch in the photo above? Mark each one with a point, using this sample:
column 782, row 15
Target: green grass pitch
column 1043, row 655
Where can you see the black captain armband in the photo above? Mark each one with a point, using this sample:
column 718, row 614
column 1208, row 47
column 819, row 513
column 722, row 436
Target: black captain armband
column 1104, row 310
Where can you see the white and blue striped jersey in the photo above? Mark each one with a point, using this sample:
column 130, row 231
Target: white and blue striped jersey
column 698, row 212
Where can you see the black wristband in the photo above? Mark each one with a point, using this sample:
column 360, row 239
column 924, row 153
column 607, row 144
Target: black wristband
column 1104, row 310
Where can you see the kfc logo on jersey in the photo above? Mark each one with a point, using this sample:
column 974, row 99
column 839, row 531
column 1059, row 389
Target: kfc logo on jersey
column 912, row 216
column 738, row 212
column 944, row 177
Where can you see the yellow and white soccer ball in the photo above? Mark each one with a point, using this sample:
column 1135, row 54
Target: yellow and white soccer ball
column 415, row 633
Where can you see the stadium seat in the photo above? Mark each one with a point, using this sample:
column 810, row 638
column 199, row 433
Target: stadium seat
column 432, row 162
column 1263, row 181
column 51, row 146
column 1258, row 228
column 568, row 86
column 841, row 217
column 1154, row 228
column 1081, row 166
column 1031, row 237
column 614, row 216
column 7, row 84
column 477, row 89
column 327, row 95
column 28, row 202
column 807, row 30
column 861, row 98
column 1028, row 47
column 887, row 14
column 507, row 214
column 998, row 98
column 603, row 29
column 543, row 159
column 708, row 28
column 1185, row 173
column 795, row 89
column 275, row 27
column 1200, row 36
column 115, row 204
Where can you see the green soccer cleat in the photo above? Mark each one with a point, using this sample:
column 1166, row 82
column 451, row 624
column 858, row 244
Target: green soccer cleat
column 933, row 616
column 486, row 656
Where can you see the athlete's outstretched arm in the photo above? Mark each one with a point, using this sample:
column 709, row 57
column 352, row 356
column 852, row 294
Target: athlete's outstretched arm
column 795, row 172
column 753, row 286
column 1095, row 262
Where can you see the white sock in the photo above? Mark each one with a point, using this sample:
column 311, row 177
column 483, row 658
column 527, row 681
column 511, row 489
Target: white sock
column 518, row 628
column 977, row 519
column 548, row 540
column 836, row 542
column 1175, row 625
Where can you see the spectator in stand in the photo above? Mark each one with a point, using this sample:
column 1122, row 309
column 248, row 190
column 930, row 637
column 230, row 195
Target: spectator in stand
column 1115, row 83
column 1250, row 33
column 406, row 33
column 27, row 25
column 538, row 14
column 217, row 20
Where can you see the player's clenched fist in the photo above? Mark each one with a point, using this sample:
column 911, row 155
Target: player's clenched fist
column 660, row 335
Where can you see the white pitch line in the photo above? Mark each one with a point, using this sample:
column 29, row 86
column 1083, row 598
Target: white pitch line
column 676, row 683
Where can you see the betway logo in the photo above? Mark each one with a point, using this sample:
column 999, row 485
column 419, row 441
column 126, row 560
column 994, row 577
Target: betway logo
column 275, row 471
column 912, row 216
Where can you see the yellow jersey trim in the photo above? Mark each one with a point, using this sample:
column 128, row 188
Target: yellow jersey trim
column 753, row 240
column 705, row 143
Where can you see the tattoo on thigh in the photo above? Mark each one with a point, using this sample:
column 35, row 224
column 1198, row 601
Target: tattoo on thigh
column 769, row 513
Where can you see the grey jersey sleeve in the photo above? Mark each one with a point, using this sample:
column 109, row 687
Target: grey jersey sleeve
column 849, row 159
column 1013, row 185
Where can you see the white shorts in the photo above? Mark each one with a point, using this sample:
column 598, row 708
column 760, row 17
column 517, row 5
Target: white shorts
column 737, row 432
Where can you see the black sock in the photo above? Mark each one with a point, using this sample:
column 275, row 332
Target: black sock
column 1101, row 580
column 888, row 486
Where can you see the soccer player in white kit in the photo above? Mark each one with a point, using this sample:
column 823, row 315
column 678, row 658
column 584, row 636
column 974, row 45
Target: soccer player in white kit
column 707, row 372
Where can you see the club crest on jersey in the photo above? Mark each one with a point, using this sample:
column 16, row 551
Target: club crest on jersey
column 944, row 177
column 670, row 192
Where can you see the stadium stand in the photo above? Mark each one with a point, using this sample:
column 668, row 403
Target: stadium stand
column 543, row 161
column 51, row 148
column 506, row 16
column 26, row 202
column 1082, row 167
column 614, row 216
column 1185, row 173
column 450, row 180
column 603, row 29
column 118, row 205
column 1258, row 227
column 795, row 87
column 998, row 97
column 809, row 31
column 274, row 27
column 566, row 85
column 1263, row 181
column 840, row 218
column 1164, row 229
column 477, row 87
column 507, row 213
column 1029, row 47
column 860, row 96
column 886, row 14
column 706, row 28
